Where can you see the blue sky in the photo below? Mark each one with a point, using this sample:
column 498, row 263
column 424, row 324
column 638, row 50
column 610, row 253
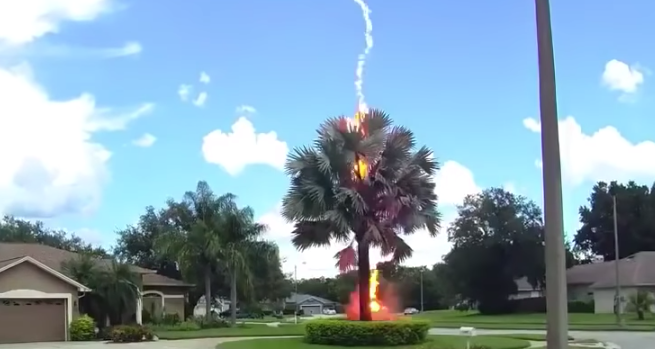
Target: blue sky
column 93, row 126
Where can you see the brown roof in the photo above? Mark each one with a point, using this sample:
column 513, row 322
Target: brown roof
column 523, row 285
column 54, row 257
column 635, row 270
column 161, row 280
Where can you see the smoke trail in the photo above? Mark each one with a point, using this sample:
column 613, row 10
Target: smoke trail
column 361, row 59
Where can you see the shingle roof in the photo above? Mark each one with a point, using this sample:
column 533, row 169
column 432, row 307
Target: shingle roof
column 301, row 298
column 635, row 270
column 524, row 285
column 53, row 258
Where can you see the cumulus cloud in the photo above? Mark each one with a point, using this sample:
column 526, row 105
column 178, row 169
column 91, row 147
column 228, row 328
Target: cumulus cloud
column 454, row 183
column 24, row 21
column 246, row 109
column 621, row 77
column 51, row 164
column 602, row 155
column 243, row 146
column 184, row 91
column 145, row 141
column 200, row 100
column 204, row 78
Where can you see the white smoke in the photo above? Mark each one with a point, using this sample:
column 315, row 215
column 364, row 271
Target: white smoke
column 361, row 59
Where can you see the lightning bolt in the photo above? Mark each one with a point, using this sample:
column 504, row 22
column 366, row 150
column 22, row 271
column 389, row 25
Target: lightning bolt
column 361, row 59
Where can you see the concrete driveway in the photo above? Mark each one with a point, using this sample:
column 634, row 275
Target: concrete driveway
column 625, row 340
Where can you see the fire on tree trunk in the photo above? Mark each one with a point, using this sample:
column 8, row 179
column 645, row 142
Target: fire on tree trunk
column 363, row 272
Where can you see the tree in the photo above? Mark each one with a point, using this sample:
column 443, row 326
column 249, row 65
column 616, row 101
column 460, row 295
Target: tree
column 115, row 286
column 497, row 238
column 366, row 185
column 212, row 234
column 641, row 303
column 635, row 206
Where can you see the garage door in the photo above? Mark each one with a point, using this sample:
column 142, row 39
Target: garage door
column 311, row 309
column 32, row 320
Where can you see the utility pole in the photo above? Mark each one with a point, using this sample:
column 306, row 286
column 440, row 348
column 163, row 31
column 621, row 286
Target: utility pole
column 421, row 290
column 617, row 279
column 295, row 281
column 556, row 299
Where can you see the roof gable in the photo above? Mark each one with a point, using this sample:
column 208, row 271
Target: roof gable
column 55, row 273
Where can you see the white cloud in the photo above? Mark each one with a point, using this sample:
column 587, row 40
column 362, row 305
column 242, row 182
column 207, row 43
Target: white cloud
column 532, row 124
column 22, row 22
column 510, row 187
column 619, row 76
column 128, row 49
column 242, row 147
column 145, row 141
column 200, row 100
column 245, row 109
column 602, row 155
column 183, row 91
column 454, row 182
column 51, row 164
column 204, row 78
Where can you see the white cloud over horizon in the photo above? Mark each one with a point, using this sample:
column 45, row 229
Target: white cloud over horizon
column 622, row 77
column 145, row 141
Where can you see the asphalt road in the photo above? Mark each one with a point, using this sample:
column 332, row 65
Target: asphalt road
column 625, row 340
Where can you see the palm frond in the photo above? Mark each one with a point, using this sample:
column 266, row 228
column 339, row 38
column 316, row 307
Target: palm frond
column 346, row 259
column 308, row 234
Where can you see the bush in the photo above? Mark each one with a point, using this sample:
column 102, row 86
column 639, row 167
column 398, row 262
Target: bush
column 211, row 322
column 581, row 306
column 130, row 334
column 83, row 329
column 366, row 333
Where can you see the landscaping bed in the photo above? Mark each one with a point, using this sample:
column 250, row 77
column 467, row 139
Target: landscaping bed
column 237, row 331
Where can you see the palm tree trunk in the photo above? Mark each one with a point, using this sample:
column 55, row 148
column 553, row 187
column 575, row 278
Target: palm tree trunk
column 208, row 291
column 364, row 274
column 233, row 297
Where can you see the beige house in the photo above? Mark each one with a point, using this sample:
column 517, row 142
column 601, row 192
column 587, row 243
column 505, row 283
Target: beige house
column 597, row 281
column 38, row 302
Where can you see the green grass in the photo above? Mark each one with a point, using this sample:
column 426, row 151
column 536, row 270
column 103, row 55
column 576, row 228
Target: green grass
column 434, row 342
column 239, row 331
column 582, row 322
column 526, row 336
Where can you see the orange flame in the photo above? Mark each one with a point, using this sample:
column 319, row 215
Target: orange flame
column 361, row 166
column 373, row 288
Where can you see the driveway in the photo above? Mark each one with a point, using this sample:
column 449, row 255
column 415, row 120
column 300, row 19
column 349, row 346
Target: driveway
column 625, row 340
column 203, row 343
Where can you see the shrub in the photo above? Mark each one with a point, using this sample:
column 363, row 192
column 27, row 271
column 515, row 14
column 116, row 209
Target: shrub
column 366, row 333
column 581, row 306
column 83, row 329
column 211, row 322
column 170, row 319
column 130, row 334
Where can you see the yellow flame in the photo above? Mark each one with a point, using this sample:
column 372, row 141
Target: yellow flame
column 375, row 306
column 361, row 166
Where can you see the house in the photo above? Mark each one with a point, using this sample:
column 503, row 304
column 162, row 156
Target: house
column 597, row 281
column 220, row 305
column 308, row 304
column 526, row 290
column 38, row 301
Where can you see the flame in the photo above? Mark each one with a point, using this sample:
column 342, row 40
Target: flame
column 361, row 166
column 373, row 288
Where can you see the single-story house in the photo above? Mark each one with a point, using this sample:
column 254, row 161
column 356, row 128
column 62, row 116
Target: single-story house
column 526, row 290
column 308, row 304
column 38, row 301
column 597, row 281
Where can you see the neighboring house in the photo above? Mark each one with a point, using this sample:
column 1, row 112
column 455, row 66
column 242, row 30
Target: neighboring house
column 597, row 281
column 308, row 304
column 220, row 305
column 526, row 290
column 38, row 302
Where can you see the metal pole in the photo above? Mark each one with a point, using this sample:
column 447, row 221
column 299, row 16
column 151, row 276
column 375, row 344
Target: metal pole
column 295, row 281
column 422, row 290
column 617, row 279
column 556, row 299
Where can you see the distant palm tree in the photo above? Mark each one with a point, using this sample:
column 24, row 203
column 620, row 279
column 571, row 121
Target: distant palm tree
column 212, row 233
column 329, row 202
column 641, row 303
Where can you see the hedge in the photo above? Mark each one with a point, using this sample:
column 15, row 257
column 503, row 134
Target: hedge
column 366, row 333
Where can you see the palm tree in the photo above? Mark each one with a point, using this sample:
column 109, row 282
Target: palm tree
column 115, row 286
column 329, row 202
column 211, row 234
column 641, row 303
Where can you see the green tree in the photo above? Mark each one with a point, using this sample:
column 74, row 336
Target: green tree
column 497, row 238
column 635, row 206
column 328, row 201
column 641, row 303
column 115, row 286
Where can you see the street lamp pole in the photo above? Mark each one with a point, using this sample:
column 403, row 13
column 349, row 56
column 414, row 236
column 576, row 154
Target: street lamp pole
column 556, row 299
column 421, row 290
column 295, row 281
column 617, row 279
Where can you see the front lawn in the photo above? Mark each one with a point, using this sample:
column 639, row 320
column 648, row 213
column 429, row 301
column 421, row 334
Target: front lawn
column 582, row 322
column 238, row 331
column 434, row 342
column 525, row 336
